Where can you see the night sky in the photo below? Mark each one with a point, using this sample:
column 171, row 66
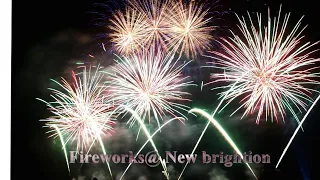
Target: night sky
column 50, row 36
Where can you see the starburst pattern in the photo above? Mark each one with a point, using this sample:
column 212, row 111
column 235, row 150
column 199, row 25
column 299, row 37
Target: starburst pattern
column 82, row 111
column 189, row 29
column 269, row 66
column 156, row 11
column 169, row 25
column 128, row 31
column 151, row 84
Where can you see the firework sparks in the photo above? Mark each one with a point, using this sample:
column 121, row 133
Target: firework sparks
column 128, row 31
column 156, row 31
column 189, row 30
column 274, row 68
column 169, row 25
column 296, row 131
column 137, row 117
column 149, row 140
column 223, row 133
column 63, row 145
column 82, row 112
column 218, row 126
column 151, row 84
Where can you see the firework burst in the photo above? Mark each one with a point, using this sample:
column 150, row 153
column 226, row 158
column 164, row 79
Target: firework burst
column 271, row 69
column 170, row 25
column 81, row 111
column 150, row 84
column 156, row 31
column 189, row 30
column 128, row 31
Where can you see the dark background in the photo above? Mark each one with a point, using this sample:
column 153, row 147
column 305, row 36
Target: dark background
column 50, row 36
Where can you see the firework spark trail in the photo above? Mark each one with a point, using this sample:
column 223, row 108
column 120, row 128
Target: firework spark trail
column 144, row 128
column 297, row 130
column 104, row 152
column 222, row 132
column 128, row 31
column 102, row 145
column 279, row 66
column 189, row 29
column 159, row 129
column 82, row 114
column 63, row 145
column 65, row 150
column 150, row 84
